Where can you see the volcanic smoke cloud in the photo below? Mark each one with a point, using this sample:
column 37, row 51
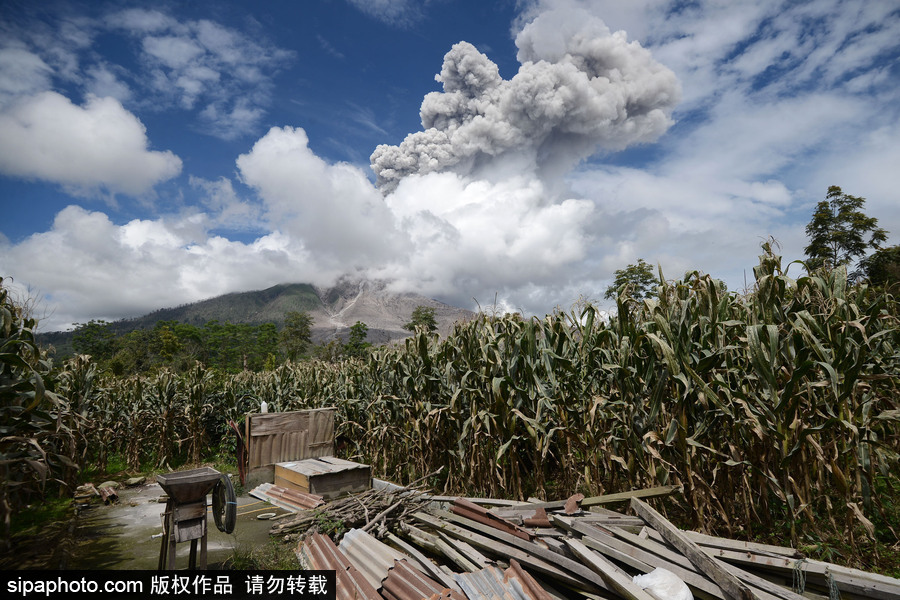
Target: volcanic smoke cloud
column 579, row 89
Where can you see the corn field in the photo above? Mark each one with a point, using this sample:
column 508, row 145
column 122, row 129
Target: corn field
column 776, row 406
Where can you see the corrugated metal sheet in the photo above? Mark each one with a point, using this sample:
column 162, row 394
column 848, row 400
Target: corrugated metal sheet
column 291, row 500
column 321, row 433
column 280, row 437
column 373, row 558
column 470, row 510
column 491, row 583
column 319, row 552
column 530, row 587
column 406, row 583
column 488, row 584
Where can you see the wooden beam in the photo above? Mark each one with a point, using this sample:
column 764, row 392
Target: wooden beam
column 639, row 558
column 848, row 580
column 719, row 542
column 466, row 550
column 426, row 565
column 485, row 501
column 732, row 586
column 493, row 546
column 615, row 578
column 653, row 492
column 572, row 566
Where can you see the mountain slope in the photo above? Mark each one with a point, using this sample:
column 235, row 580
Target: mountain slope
column 333, row 310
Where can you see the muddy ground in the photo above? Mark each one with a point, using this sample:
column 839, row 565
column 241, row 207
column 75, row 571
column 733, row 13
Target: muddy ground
column 127, row 535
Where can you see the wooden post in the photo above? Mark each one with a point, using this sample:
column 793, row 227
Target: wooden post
column 731, row 585
column 617, row 579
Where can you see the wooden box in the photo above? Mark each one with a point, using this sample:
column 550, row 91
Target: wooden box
column 326, row 476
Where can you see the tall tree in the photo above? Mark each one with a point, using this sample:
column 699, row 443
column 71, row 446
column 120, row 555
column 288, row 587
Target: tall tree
column 882, row 268
column 838, row 229
column 638, row 279
column 357, row 344
column 296, row 333
column 422, row 316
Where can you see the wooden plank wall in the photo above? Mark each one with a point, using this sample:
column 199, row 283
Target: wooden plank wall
column 281, row 437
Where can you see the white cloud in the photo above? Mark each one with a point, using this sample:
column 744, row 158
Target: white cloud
column 171, row 51
column 223, row 75
column 98, row 146
column 400, row 13
column 21, row 73
column 102, row 81
column 476, row 237
column 778, row 105
column 225, row 208
column 202, row 65
column 89, row 267
column 334, row 209
column 141, row 20
column 867, row 169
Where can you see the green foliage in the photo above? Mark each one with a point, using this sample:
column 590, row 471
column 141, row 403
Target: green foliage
column 882, row 268
column 94, row 338
column 295, row 335
column 634, row 281
column 838, row 229
column 333, row 527
column 422, row 317
column 357, row 345
column 38, row 430
column 272, row 556
column 229, row 346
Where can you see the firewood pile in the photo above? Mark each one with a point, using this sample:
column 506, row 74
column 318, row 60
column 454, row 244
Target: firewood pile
column 375, row 510
column 431, row 546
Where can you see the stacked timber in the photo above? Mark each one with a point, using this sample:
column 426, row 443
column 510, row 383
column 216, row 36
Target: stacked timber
column 481, row 549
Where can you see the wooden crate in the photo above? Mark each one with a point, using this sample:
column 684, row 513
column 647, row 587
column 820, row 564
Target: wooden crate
column 326, row 476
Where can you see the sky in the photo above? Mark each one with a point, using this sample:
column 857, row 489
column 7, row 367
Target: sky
column 509, row 154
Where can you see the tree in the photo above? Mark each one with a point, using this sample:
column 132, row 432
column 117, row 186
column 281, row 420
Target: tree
column 638, row 280
column 882, row 268
column 422, row 316
column 838, row 229
column 95, row 338
column 357, row 344
column 266, row 346
column 296, row 334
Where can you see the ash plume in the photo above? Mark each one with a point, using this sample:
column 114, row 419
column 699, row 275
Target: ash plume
column 579, row 89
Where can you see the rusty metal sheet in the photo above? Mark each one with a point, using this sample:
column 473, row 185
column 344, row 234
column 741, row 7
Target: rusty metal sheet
column 287, row 499
column 488, row 584
column 539, row 519
column 407, row 583
column 573, row 504
column 302, row 500
column 319, row 552
column 109, row 495
column 530, row 587
column 372, row 558
column 491, row 583
column 470, row 510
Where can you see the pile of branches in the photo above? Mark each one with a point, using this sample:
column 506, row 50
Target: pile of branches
column 374, row 511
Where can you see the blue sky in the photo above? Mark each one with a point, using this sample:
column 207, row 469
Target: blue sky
column 153, row 154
